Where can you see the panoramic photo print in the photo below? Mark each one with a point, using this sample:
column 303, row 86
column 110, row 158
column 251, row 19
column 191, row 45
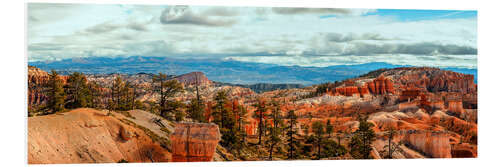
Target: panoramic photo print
column 111, row 83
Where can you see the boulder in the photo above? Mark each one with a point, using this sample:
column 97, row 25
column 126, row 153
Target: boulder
column 464, row 150
column 125, row 134
column 194, row 142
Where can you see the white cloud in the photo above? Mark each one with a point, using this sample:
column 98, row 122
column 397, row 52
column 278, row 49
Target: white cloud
column 58, row 31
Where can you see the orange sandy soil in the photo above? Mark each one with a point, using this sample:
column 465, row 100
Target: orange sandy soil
column 89, row 136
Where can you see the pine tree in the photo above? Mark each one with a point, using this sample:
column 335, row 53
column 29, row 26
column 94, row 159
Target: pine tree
column 306, row 130
column 226, row 119
column 116, row 94
column 78, row 91
column 219, row 110
column 360, row 143
column 94, row 95
column 276, row 128
column 195, row 110
column 175, row 107
column 260, row 114
column 241, row 115
column 329, row 128
column 318, row 130
column 127, row 96
column 56, row 93
column 391, row 146
column 293, row 143
column 166, row 89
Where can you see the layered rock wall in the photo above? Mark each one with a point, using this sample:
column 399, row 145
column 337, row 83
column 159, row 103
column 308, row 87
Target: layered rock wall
column 194, row 78
column 193, row 142
column 432, row 144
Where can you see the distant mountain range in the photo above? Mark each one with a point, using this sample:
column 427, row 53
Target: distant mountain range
column 264, row 87
column 224, row 71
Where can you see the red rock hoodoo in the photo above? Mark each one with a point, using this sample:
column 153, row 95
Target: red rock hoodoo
column 379, row 86
column 194, row 142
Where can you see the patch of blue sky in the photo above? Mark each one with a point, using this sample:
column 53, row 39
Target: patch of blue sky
column 417, row 15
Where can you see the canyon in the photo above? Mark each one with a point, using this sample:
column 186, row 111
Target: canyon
column 434, row 112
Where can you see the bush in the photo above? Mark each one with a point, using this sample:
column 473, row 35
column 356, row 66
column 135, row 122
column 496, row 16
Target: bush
column 332, row 149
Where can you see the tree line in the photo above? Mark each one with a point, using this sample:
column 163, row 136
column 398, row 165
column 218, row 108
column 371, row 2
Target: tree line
column 78, row 92
column 277, row 132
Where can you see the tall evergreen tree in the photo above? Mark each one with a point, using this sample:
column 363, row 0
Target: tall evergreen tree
column 391, row 146
column 116, row 93
column 318, row 130
column 219, row 110
column 56, row 95
column 77, row 90
column 166, row 89
column 195, row 109
column 241, row 121
column 293, row 142
column 95, row 95
column 361, row 140
column 260, row 113
column 329, row 128
column 226, row 119
column 276, row 128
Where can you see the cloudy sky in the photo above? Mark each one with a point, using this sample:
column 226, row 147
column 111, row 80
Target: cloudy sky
column 284, row 36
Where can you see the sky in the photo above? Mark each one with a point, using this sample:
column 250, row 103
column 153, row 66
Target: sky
column 316, row 37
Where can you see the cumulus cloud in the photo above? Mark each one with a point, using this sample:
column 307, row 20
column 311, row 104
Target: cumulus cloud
column 138, row 26
column 460, row 61
column 184, row 15
column 108, row 26
column 423, row 48
column 220, row 11
column 337, row 37
column 82, row 30
column 44, row 47
column 102, row 28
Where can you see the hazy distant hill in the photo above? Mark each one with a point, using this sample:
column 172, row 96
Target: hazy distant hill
column 264, row 87
column 226, row 71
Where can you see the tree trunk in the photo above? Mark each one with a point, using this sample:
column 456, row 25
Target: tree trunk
column 271, row 152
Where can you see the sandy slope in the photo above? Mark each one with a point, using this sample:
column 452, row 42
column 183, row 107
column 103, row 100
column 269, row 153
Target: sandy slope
column 88, row 136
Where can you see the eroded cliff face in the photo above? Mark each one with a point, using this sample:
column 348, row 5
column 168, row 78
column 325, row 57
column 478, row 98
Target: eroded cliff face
column 194, row 78
column 36, row 81
column 433, row 144
column 194, row 142
column 407, row 99
column 88, row 136
column 378, row 86
column 433, row 79
column 37, row 86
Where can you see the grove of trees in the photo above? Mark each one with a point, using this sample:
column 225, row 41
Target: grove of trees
column 277, row 128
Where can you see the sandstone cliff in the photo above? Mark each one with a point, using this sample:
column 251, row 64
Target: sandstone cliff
column 433, row 144
column 37, row 85
column 193, row 78
column 192, row 142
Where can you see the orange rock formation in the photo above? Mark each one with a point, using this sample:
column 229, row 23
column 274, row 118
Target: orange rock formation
column 193, row 142
column 433, row 144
